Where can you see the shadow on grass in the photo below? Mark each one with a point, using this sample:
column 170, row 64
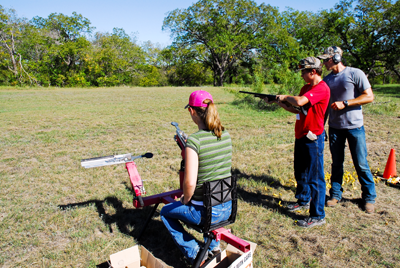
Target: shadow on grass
column 155, row 237
column 271, row 181
column 388, row 89
column 356, row 201
column 264, row 200
column 122, row 217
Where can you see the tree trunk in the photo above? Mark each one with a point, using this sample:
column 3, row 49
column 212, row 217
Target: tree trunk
column 215, row 78
column 221, row 79
column 14, row 63
column 14, row 68
column 396, row 72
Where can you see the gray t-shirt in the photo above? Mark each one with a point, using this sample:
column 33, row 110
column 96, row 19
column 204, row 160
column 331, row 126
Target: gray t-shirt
column 346, row 85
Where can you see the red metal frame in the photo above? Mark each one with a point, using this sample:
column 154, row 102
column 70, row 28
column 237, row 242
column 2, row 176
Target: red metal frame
column 135, row 179
column 166, row 198
column 225, row 235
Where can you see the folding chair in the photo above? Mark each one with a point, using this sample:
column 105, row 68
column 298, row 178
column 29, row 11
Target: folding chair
column 215, row 193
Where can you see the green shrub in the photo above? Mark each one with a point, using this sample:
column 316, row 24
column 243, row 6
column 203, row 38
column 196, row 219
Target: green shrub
column 285, row 81
column 78, row 80
column 108, row 81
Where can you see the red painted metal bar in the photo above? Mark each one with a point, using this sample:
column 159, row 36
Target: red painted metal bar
column 225, row 234
column 134, row 177
column 159, row 198
column 168, row 199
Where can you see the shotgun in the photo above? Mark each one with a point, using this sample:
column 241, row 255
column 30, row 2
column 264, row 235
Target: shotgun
column 301, row 109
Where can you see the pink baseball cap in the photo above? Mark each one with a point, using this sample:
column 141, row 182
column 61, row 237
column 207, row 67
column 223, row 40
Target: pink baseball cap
column 197, row 97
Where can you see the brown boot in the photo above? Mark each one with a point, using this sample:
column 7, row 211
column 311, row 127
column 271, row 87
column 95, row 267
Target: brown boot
column 369, row 208
column 332, row 202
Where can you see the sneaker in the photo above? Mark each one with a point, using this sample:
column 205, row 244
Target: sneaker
column 369, row 208
column 296, row 206
column 310, row 222
column 332, row 202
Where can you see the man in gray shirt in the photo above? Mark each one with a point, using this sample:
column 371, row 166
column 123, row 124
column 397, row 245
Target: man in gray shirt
column 350, row 89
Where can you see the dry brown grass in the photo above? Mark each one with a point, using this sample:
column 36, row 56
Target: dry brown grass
column 53, row 213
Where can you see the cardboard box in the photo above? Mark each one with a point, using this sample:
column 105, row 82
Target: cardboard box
column 130, row 258
column 232, row 257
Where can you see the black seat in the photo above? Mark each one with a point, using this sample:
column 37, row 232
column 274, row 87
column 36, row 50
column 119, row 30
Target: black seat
column 215, row 193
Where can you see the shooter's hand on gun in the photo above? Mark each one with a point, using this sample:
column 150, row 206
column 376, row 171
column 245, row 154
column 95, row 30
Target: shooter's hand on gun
column 269, row 100
column 281, row 101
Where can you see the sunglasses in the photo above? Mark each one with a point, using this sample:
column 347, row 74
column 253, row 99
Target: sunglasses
column 326, row 60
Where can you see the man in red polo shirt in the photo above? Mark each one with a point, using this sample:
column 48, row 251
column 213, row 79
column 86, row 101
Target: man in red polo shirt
column 309, row 144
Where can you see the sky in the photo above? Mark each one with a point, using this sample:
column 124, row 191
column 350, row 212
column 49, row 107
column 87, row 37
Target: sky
column 143, row 18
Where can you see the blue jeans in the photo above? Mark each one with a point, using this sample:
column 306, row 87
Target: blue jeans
column 309, row 174
column 358, row 149
column 172, row 213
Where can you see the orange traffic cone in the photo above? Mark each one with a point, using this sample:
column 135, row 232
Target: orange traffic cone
column 390, row 169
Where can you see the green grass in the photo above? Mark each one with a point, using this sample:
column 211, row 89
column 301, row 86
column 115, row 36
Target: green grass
column 386, row 101
column 54, row 213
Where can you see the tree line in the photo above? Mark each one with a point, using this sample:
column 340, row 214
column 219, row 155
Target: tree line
column 215, row 42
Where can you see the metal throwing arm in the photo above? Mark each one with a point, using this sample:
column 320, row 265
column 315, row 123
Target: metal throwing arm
column 111, row 160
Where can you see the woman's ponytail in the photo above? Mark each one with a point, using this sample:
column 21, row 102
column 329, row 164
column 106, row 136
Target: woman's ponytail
column 210, row 118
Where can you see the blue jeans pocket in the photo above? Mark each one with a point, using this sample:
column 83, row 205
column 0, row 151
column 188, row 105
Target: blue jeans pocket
column 195, row 214
column 221, row 212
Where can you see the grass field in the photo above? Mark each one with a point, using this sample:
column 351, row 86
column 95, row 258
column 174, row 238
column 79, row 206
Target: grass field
column 54, row 213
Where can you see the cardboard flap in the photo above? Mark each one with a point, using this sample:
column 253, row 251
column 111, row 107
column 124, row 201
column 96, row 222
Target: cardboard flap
column 127, row 258
column 144, row 253
column 150, row 261
column 232, row 257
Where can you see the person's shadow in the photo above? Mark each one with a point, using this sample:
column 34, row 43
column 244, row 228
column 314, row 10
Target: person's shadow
column 156, row 237
column 263, row 199
column 273, row 202
column 130, row 221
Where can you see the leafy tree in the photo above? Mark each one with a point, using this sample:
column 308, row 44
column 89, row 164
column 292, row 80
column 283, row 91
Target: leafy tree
column 115, row 59
column 12, row 30
column 152, row 53
column 224, row 29
column 65, row 46
column 369, row 33
column 305, row 28
column 391, row 43
column 182, row 67
column 64, row 28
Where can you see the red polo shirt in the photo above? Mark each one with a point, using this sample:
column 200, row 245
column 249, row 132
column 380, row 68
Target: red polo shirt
column 318, row 96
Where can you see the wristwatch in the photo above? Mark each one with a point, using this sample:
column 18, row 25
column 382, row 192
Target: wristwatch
column 345, row 103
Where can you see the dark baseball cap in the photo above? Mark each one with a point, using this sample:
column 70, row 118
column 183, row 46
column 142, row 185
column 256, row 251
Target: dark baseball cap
column 309, row 63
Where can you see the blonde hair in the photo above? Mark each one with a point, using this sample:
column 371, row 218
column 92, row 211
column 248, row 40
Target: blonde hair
column 209, row 115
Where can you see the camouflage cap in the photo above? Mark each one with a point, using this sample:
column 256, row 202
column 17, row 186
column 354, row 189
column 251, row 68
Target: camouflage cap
column 330, row 51
column 309, row 63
